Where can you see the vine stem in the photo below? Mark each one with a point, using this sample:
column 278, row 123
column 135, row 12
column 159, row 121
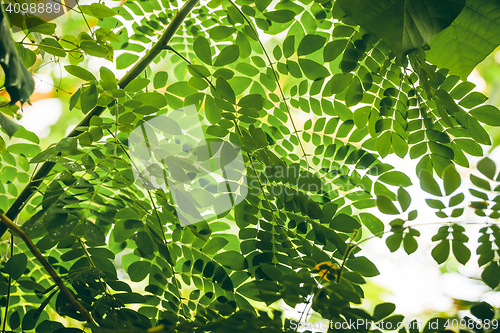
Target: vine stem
column 133, row 73
column 282, row 93
column 57, row 279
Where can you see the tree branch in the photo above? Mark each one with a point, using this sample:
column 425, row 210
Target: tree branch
column 57, row 279
column 133, row 73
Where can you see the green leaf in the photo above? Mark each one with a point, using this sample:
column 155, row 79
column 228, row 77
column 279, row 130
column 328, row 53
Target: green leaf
column 477, row 132
column 354, row 93
column 224, row 90
column 361, row 116
column 18, row 81
column 80, row 72
column 487, row 167
column 461, row 252
column 404, row 199
column 441, row 251
column 473, row 99
column 383, row 144
column 393, row 242
column 372, row 223
column 312, row 70
column 231, row 259
column 8, row 124
column 410, row 244
column 212, row 111
column 395, row 178
column 160, row 79
column 403, row 25
column 88, row 97
column 138, row 270
column 451, row 179
column 137, row 85
column 386, row 206
column 26, row 149
column 227, row 56
column 428, row 183
column 344, row 223
column 214, row 245
column 128, row 298
column 383, row 310
column 94, row 233
column 221, row 32
column 480, row 182
column 144, row 242
column 280, row 16
column 16, row 265
column 436, row 204
column 92, row 48
column 472, row 36
column 254, row 101
column 289, row 46
column 153, row 98
column 456, row 199
column 201, row 47
column 483, row 311
column 491, row 275
column 36, row 24
column 487, row 114
column 310, row 44
column 51, row 46
column 333, row 49
column 363, row 266
column 340, row 82
column 101, row 11
column 125, row 60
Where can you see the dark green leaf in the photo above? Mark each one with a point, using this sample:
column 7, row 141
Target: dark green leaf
column 373, row 223
column 16, row 265
column 395, row 178
column 312, row 70
column 460, row 251
column 231, row 259
column 386, row 206
column 224, row 90
column 428, row 183
column 228, row 55
column 138, row 270
column 280, row 16
column 487, row 114
column 88, row 97
column 310, row 44
column 477, row 28
column 383, row 310
column 451, row 179
column 354, row 93
column 363, row 266
column 403, row 25
column 491, row 275
column 441, row 251
column 214, row 245
column 80, row 72
column 487, row 167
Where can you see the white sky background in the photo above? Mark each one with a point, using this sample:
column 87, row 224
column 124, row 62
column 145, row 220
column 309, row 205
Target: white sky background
column 414, row 283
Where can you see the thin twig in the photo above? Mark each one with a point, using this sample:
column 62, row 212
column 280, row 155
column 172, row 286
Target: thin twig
column 275, row 74
column 57, row 279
